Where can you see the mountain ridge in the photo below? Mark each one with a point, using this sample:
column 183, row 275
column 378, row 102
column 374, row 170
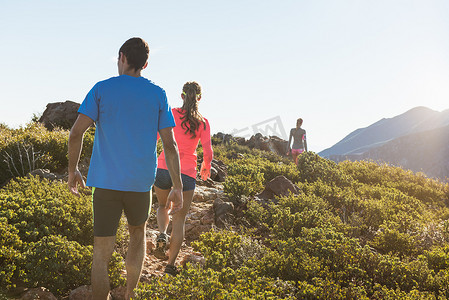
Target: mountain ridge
column 425, row 148
column 414, row 120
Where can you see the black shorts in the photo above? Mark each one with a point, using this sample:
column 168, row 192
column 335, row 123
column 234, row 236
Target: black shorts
column 109, row 204
column 163, row 181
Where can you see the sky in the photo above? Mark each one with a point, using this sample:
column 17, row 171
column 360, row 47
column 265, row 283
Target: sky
column 338, row 65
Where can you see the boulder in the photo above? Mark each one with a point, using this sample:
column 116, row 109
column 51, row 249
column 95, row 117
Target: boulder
column 118, row 293
column 60, row 114
column 208, row 218
column 279, row 186
column 195, row 231
column 221, row 207
column 83, row 292
column 204, row 193
column 223, row 138
column 271, row 144
column 223, row 212
column 38, row 293
column 218, row 171
column 194, row 259
column 45, row 173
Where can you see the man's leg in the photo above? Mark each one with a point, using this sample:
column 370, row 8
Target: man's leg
column 103, row 248
column 134, row 257
column 178, row 222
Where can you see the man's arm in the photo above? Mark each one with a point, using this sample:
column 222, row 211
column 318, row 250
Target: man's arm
column 75, row 145
column 174, row 168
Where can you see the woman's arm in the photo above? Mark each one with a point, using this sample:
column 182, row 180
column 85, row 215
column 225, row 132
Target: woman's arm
column 289, row 141
column 208, row 153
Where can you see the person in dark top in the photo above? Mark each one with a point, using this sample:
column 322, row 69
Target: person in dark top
column 299, row 141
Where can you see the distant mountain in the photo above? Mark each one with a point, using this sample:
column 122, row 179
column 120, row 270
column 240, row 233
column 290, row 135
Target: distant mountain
column 417, row 140
column 416, row 120
column 426, row 151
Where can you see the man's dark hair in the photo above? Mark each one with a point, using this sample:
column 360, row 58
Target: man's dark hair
column 136, row 52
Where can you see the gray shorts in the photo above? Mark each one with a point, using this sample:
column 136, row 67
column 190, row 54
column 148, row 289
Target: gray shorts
column 109, row 204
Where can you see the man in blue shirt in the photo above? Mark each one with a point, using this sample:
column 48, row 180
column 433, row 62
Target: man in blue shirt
column 129, row 111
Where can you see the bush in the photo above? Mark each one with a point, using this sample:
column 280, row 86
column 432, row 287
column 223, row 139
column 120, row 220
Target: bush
column 47, row 232
column 196, row 283
column 218, row 247
column 390, row 241
column 10, row 256
column 38, row 208
column 58, row 264
column 25, row 149
column 243, row 180
column 62, row 265
column 313, row 167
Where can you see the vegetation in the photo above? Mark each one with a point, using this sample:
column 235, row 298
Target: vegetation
column 46, row 237
column 32, row 147
column 355, row 230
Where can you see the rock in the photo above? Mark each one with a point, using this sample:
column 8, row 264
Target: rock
column 193, row 259
column 60, row 114
column 223, row 212
column 271, row 144
column 208, row 218
column 223, row 138
column 205, row 193
column 150, row 245
column 213, row 173
column 38, row 293
column 45, row 173
column 220, row 172
column 279, row 186
column 81, row 293
column 239, row 140
column 221, row 207
column 118, row 293
column 195, row 232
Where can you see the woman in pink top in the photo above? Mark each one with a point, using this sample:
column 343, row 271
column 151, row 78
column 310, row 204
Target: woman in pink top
column 191, row 127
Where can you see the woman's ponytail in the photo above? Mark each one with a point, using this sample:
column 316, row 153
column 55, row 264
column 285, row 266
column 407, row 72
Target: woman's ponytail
column 192, row 119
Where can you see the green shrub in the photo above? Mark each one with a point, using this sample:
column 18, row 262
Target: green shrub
column 383, row 292
column 62, row 265
column 438, row 258
column 243, row 180
column 33, row 147
column 313, row 167
column 390, row 241
column 218, row 247
column 58, row 264
column 38, row 208
column 196, row 283
column 10, row 255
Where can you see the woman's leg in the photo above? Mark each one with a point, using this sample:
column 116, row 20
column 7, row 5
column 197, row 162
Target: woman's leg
column 295, row 156
column 162, row 213
column 178, row 222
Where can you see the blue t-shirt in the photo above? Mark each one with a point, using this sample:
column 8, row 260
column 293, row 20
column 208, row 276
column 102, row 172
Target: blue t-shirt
column 128, row 111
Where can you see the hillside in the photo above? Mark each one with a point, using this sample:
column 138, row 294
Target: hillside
column 271, row 230
column 426, row 151
column 361, row 140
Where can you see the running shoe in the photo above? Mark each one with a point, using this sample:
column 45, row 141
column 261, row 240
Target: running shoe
column 161, row 245
column 171, row 270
